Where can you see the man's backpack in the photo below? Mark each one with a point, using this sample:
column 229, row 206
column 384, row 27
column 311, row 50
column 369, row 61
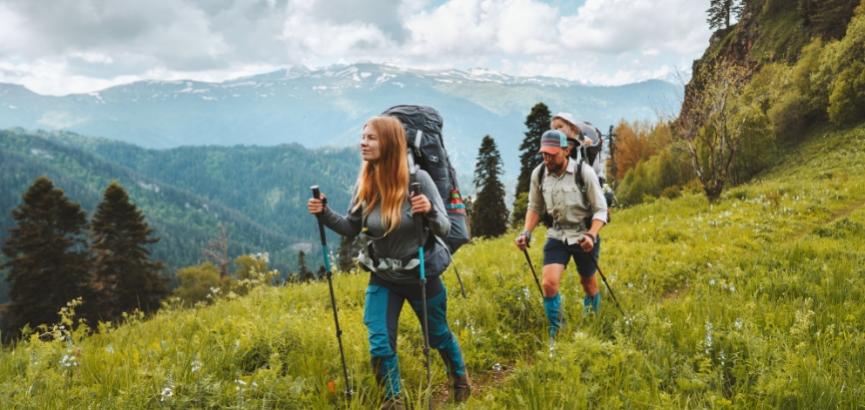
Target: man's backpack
column 423, row 130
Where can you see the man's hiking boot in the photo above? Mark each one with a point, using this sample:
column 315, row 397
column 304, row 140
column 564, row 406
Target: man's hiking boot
column 394, row 403
column 462, row 388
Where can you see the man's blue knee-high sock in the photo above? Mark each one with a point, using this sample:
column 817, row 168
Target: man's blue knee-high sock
column 553, row 308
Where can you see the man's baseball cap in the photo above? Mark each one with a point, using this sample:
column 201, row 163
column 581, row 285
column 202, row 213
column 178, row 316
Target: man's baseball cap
column 553, row 141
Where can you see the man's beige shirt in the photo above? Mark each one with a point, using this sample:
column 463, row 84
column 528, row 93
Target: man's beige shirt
column 565, row 203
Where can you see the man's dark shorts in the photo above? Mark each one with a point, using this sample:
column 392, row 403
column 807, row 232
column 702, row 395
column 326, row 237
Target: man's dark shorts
column 555, row 251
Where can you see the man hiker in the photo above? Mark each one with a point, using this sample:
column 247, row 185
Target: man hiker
column 578, row 211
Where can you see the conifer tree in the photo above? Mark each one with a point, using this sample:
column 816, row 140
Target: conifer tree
column 47, row 256
column 537, row 122
column 124, row 275
column 303, row 273
column 720, row 11
column 490, row 215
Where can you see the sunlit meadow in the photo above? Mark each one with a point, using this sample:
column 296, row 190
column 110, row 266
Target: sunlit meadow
column 753, row 301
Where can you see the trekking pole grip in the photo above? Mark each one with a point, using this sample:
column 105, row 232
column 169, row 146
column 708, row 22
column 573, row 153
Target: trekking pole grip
column 316, row 193
column 414, row 190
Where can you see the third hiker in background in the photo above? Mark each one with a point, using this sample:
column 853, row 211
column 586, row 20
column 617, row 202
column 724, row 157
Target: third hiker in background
column 568, row 194
column 585, row 142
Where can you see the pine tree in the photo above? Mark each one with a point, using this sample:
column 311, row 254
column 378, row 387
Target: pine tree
column 303, row 273
column 537, row 122
column 47, row 256
column 490, row 212
column 125, row 277
column 719, row 13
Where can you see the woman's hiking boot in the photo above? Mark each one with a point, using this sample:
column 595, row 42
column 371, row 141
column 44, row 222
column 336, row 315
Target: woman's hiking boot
column 462, row 388
column 394, row 403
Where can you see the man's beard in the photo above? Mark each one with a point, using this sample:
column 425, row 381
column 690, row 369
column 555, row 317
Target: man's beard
column 553, row 168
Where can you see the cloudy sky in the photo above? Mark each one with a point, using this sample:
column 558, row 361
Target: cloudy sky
column 70, row 46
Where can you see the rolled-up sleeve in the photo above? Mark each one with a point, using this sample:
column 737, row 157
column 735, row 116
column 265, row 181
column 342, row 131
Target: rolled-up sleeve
column 536, row 199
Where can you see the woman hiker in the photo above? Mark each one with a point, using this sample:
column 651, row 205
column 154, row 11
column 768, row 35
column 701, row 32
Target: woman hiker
column 382, row 209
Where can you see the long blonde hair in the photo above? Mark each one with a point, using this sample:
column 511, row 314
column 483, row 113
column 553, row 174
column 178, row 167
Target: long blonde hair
column 386, row 179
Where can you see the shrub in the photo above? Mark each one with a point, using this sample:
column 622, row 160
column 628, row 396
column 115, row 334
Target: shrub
column 847, row 100
column 757, row 147
column 197, row 282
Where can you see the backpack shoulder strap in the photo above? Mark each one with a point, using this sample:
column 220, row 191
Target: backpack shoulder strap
column 578, row 176
column 580, row 181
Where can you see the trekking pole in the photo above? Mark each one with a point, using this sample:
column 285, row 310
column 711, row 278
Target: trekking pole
column 328, row 274
column 529, row 261
column 414, row 189
column 598, row 267
column 462, row 288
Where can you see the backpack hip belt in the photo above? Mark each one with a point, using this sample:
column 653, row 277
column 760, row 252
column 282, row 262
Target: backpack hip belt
column 372, row 263
column 568, row 225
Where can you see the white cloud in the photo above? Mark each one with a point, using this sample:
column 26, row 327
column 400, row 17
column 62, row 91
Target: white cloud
column 76, row 46
column 615, row 26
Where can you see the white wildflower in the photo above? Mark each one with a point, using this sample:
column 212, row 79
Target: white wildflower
column 738, row 323
column 497, row 367
column 708, row 341
column 167, row 391
column 68, row 360
column 196, row 365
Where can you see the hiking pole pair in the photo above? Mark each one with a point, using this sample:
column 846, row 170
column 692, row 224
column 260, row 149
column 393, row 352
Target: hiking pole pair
column 414, row 189
column 327, row 273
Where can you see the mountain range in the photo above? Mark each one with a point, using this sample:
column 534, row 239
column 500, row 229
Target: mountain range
column 327, row 107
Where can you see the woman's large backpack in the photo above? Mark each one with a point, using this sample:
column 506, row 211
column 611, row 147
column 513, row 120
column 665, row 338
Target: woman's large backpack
column 423, row 130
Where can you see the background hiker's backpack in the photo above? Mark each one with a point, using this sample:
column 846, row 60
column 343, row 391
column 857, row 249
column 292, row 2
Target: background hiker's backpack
column 591, row 132
column 423, row 130
column 592, row 154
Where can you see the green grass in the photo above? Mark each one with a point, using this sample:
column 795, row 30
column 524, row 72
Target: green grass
column 750, row 302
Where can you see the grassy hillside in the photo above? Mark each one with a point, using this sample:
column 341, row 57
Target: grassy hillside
column 754, row 301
